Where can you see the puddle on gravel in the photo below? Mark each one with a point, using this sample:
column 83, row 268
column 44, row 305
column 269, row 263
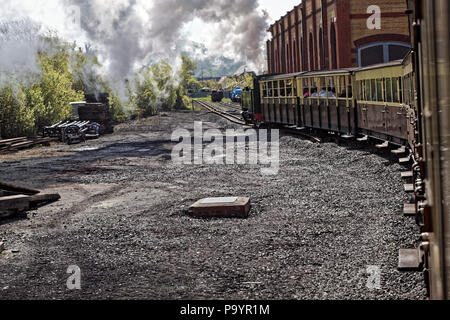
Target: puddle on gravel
column 119, row 149
column 86, row 149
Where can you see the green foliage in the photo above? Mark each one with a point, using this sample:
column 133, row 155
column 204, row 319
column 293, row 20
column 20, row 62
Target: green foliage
column 67, row 73
column 25, row 110
column 244, row 80
column 158, row 88
column 50, row 98
column 16, row 117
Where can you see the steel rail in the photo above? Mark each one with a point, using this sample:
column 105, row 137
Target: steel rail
column 223, row 114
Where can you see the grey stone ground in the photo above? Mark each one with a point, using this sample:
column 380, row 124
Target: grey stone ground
column 331, row 212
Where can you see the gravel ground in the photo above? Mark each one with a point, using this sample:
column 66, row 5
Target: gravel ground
column 314, row 229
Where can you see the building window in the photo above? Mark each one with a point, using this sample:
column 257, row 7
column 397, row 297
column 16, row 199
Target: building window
column 311, row 52
column 288, row 59
column 333, row 47
column 397, row 52
column 295, row 55
column 382, row 52
column 321, row 49
column 371, row 55
column 302, row 55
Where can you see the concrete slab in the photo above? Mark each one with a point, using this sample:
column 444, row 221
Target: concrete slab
column 229, row 207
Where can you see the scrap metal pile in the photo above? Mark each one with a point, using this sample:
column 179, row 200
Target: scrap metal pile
column 17, row 200
column 89, row 120
column 12, row 145
column 72, row 131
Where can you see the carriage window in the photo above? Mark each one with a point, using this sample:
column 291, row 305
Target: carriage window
column 361, row 90
column 373, row 90
column 405, row 90
column 275, row 88
column 401, row 84
column 270, row 87
column 306, row 89
column 388, row 90
column 288, row 88
column 367, row 95
column 395, row 86
column 282, row 89
column 379, row 90
column 264, row 89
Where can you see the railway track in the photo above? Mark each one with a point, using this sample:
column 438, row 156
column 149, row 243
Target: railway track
column 226, row 115
column 237, row 120
column 232, row 105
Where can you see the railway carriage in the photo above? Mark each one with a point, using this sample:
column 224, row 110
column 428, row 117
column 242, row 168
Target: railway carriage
column 279, row 99
column 375, row 101
column 404, row 102
column 381, row 112
column 326, row 101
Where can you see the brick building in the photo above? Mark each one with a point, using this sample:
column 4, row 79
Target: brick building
column 334, row 34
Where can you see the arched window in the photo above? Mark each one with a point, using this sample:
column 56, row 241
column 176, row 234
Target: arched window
column 288, row 59
column 302, row 55
column 311, row 52
column 295, row 55
column 381, row 52
column 321, row 50
column 333, row 47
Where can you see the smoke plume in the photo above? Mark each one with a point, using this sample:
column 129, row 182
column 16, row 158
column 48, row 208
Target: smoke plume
column 130, row 34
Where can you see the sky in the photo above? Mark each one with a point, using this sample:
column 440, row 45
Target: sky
column 278, row 8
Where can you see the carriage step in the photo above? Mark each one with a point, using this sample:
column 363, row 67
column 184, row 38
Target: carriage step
column 409, row 188
column 410, row 260
column 405, row 160
column 402, row 150
column 383, row 145
column 363, row 139
column 407, row 174
column 409, row 209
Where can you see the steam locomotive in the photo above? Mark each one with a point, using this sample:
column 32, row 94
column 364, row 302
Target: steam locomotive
column 236, row 94
column 404, row 104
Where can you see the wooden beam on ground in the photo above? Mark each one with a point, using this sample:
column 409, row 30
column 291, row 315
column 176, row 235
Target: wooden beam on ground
column 11, row 141
column 38, row 201
column 18, row 190
column 18, row 202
